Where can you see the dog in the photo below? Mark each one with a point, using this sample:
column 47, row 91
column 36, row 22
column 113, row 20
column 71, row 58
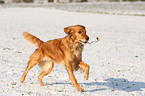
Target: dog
column 65, row 51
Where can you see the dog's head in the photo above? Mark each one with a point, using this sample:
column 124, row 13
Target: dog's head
column 77, row 33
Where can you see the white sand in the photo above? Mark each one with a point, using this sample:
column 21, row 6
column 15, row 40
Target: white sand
column 117, row 61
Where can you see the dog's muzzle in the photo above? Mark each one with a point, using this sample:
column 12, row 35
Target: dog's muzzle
column 84, row 42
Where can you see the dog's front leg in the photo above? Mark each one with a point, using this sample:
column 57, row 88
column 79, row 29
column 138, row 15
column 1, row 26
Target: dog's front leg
column 68, row 67
column 85, row 68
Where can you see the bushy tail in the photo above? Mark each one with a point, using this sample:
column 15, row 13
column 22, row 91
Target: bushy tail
column 32, row 39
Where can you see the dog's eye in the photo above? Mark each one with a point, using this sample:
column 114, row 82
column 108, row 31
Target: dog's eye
column 79, row 32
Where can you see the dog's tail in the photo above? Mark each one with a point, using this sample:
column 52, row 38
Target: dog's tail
column 32, row 39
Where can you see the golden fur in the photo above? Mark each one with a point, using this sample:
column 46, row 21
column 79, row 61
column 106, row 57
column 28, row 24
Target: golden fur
column 63, row 51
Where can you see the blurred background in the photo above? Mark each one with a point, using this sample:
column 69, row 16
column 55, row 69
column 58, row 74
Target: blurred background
column 113, row 7
column 61, row 1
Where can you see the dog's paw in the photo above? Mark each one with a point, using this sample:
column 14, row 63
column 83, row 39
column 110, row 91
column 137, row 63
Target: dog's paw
column 80, row 89
column 41, row 84
column 86, row 76
column 22, row 80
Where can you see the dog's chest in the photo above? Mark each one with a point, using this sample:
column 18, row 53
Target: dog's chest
column 76, row 51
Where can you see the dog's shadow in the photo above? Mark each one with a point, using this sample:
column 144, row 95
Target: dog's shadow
column 124, row 84
column 113, row 84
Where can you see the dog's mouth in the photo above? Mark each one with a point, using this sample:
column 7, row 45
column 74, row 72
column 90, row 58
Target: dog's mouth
column 83, row 42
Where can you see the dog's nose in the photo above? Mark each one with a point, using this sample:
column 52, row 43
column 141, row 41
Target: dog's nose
column 97, row 38
column 87, row 38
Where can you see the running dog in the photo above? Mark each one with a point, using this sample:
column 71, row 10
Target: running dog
column 63, row 51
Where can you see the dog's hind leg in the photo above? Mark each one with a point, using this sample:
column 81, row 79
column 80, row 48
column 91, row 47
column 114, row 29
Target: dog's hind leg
column 33, row 60
column 85, row 68
column 46, row 69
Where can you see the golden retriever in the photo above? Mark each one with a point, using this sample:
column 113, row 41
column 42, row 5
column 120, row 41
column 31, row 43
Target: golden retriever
column 63, row 51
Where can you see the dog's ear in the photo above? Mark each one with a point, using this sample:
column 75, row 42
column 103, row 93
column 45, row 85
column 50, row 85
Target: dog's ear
column 68, row 30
